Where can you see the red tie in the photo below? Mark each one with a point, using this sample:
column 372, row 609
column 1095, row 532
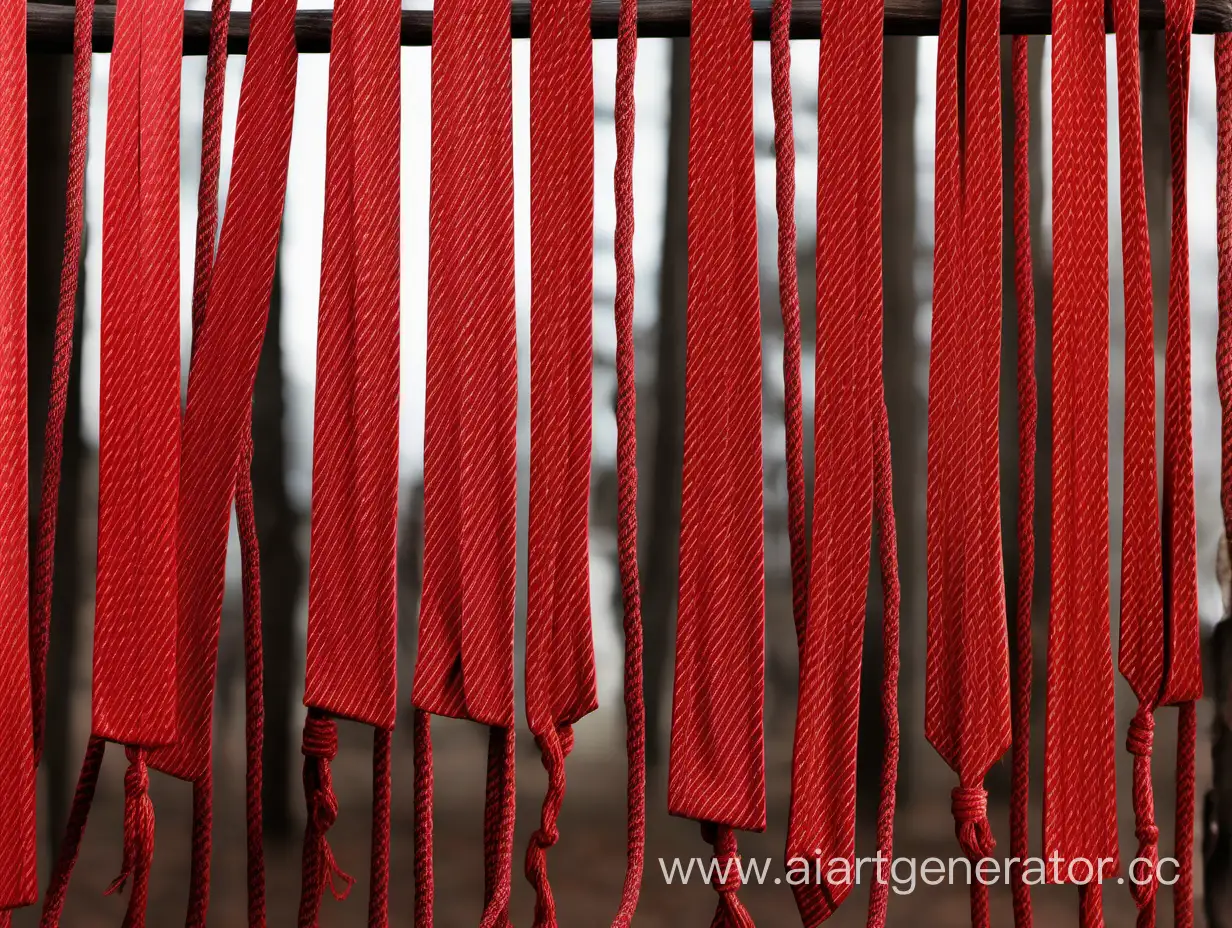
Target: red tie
column 1024, row 292
column 465, row 660
column 717, row 765
column 139, row 416
column 967, row 692
column 18, row 873
column 849, row 441
column 1183, row 684
column 560, row 659
column 1141, row 656
column 1079, row 735
column 352, row 584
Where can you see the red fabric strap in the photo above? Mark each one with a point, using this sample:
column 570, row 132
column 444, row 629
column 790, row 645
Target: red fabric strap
column 465, row 649
column 560, row 660
column 139, row 403
column 224, row 368
column 717, row 766
column 1079, row 736
column 352, row 585
column 1141, row 652
column 849, row 289
column 1024, row 293
column 967, row 693
column 133, row 699
column 18, row 872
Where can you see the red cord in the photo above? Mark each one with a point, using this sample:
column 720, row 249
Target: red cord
column 1223, row 201
column 626, row 463
column 1024, row 290
column 789, row 307
column 1079, row 750
column 1183, row 684
column 18, row 797
column 254, row 688
column 849, row 319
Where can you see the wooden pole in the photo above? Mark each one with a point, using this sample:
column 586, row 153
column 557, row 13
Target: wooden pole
column 50, row 27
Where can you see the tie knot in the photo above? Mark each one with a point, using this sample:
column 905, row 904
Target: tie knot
column 320, row 737
column 969, row 805
column 1141, row 736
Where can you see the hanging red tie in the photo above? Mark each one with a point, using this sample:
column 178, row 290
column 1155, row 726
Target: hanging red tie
column 849, row 439
column 967, row 688
column 1079, row 735
column 1183, row 683
column 1024, row 291
column 1142, row 645
column 465, row 648
column 18, row 873
column 139, row 416
column 560, row 659
column 352, row 584
column 717, row 764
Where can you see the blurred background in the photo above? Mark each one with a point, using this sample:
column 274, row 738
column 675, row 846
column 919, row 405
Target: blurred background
column 587, row 866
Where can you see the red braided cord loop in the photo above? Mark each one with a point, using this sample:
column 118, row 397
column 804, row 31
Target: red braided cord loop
column 1079, row 736
column 717, row 766
column 626, row 462
column 223, row 370
column 560, row 660
column 1024, row 291
column 1141, row 652
column 849, row 300
column 465, row 647
column 967, row 689
column 18, row 851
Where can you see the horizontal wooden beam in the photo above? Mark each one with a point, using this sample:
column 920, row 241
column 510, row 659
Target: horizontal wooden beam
column 50, row 27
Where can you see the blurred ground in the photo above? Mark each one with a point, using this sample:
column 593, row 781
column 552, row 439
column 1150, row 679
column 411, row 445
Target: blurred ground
column 587, row 866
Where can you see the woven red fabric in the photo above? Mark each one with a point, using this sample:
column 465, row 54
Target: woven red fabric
column 223, row 370
column 967, row 685
column 1079, row 735
column 560, row 660
column 1024, row 294
column 139, row 393
column 465, row 649
column 352, row 584
column 18, row 871
column 849, row 289
column 133, row 699
column 1141, row 652
column 717, row 765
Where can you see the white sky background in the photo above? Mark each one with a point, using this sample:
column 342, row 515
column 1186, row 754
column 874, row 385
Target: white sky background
column 302, row 233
